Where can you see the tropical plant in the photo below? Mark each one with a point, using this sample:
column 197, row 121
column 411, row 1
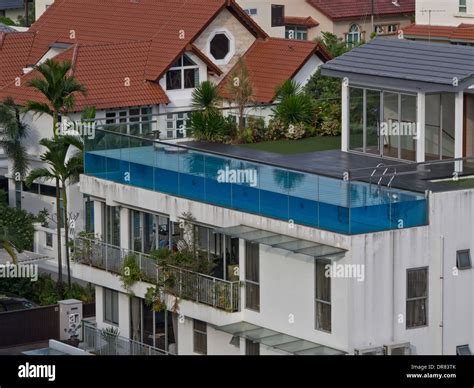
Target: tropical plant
column 65, row 170
column 17, row 226
column 6, row 243
column 240, row 89
column 335, row 46
column 294, row 105
column 130, row 272
column 13, row 131
column 206, row 123
column 59, row 88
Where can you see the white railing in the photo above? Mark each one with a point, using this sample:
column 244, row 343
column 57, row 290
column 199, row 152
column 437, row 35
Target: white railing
column 185, row 284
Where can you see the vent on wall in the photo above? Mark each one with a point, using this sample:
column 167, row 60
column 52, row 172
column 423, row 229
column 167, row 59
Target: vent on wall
column 397, row 349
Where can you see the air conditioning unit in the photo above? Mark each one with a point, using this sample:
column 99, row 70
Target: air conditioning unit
column 378, row 351
column 397, row 349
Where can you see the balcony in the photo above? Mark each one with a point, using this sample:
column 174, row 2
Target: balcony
column 187, row 285
column 346, row 207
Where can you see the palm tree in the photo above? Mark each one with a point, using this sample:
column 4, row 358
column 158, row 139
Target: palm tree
column 59, row 87
column 294, row 105
column 206, row 98
column 240, row 89
column 13, row 132
column 64, row 169
column 7, row 243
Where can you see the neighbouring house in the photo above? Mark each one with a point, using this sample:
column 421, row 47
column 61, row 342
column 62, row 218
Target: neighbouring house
column 353, row 21
column 12, row 9
column 41, row 6
column 443, row 22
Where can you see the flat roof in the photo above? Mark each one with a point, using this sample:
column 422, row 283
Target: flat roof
column 418, row 65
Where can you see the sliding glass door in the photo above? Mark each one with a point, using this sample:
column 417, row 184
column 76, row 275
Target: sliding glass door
column 383, row 123
column 439, row 132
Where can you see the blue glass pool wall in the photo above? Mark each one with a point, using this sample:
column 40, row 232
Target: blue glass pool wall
column 346, row 207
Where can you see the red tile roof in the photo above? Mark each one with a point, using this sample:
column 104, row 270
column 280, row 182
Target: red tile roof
column 301, row 21
column 273, row 61
column 14, row 50
column 462, row 32
column 113, row 75
column 347, row 9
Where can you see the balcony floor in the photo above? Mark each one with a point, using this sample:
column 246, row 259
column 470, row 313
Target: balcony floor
column 335, row 163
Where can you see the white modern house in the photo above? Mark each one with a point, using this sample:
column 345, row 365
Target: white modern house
column 360, row 251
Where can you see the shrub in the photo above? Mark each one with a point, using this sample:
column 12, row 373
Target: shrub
column 18, row 223
column 276, row 130
column 130, row 272
column 293, row 109
column 257, row 124
column 296, row 131
column 208, row 126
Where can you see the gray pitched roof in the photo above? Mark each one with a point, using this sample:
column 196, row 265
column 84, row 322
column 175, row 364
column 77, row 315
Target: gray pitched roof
column 11, row 4
column 5, row 28
column 406, row 61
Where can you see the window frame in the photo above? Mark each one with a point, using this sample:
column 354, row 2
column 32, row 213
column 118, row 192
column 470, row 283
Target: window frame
column 277, row 21
column 182, row 68
column 300, row 32
column 252, row 282
column 353, row 33
column 219, row 33
column 319, row 301
column 197, row 331
column 413, row 299
column 462, row 6
column 458, row 253
column 114, row 302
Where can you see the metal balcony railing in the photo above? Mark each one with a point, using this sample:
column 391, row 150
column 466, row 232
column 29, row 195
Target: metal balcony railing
column 103, row 343
column 186, row 284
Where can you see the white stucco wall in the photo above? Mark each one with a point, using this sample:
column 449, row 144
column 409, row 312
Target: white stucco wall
column 443, row 12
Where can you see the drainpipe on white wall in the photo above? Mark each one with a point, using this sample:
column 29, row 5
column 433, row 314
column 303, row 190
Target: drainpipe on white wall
column 441, row 300
column 458, row 129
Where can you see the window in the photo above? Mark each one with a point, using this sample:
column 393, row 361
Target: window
column 252, row 276
column 251, row 11
column 392, row 28
column 112, row 225
column 323, row 297
column 295, row 32
column 184, row 74
column 353, row 36
column 463, row 259
column 133, row 121
column 89, row 215
column 278, row 15
column 200, row 336
column 49, row 240
column 252, row 348
column 111, row 306
column 18, row 186
column 176, row 125
column 220, row 46
column 462, row 6
column 417, row 298
column 463, row 350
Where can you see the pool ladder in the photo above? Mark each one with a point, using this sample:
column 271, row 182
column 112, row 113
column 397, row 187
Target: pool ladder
column 385, row 172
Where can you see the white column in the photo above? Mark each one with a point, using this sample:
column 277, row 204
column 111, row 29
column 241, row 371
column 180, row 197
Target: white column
column 421, row 120
column 125, row 228
column 98, row 219
column 458, row 129
column 345, row 117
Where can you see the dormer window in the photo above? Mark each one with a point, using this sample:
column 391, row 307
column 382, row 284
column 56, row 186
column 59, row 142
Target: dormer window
column 184, row 74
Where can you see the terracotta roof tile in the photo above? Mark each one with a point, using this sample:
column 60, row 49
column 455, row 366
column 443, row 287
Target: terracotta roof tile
column 272, row 61
column 347, row 9
column 14, row 51
column 113, row 75
column 301, row 21
column 463, row 32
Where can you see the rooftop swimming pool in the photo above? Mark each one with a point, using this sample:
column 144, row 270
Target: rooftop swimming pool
column 327, row 203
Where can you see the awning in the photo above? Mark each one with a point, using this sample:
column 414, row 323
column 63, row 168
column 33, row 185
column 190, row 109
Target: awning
column 281, row 241
column 277, row 340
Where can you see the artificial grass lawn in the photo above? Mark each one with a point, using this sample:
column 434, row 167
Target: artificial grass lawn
column 310, row 144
